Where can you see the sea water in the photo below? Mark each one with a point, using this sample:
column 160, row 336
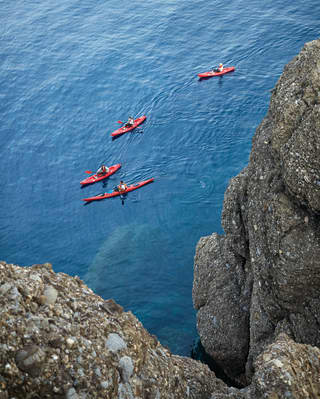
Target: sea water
column 71, row 70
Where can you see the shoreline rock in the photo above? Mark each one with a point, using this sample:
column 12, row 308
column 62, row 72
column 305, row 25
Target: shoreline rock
column 76, row 349
column 77, row 345
column 262, row 277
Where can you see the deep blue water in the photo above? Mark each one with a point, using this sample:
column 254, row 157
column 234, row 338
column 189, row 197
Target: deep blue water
column 69, row 72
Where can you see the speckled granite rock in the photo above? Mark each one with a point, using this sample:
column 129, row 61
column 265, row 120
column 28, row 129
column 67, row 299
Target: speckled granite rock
column 60, row 340
column 287, row 370
column 82, row 347
column 263, row 276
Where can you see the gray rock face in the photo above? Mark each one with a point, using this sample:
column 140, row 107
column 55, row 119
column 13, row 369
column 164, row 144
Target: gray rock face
column 287, row 370
column 126, row 367
column 74, row 349
column 263, row 276
column 30, row 359
column 221, row 293
column 49, row 295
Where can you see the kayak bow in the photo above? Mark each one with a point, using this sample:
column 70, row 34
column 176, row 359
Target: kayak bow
column 94, row 178
column 124, row 129
column 116, row 193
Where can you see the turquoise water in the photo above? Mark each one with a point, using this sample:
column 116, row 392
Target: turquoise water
column 69, row 72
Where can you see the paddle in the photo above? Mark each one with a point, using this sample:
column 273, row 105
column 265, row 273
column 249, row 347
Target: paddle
column 88, row 171
column 120, row 122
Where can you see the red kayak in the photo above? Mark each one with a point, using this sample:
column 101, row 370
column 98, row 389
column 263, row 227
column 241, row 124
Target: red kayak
column 213, row 73
column 94, row 178
column 116, row 193
column 124, row 129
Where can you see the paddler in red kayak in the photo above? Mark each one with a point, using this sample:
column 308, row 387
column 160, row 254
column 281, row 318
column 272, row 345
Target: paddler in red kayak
column 103, row 170
column 219, row 69
column 130, row 122
column 122, row 187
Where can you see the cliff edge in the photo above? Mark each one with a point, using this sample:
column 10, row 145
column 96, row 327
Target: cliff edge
column 260, row 281
column 60, row 340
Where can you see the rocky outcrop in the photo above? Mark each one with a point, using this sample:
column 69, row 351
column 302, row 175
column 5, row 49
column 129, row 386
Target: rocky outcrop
column 287, row 370
column 262, row 277
column 60, row 340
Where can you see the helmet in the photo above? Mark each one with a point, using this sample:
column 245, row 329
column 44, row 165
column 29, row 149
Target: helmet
column 220, row 64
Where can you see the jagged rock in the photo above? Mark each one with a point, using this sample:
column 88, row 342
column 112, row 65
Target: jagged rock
column 49, row 296
column 114, row 357
column 30, row 359
column 272, row 235
column 54, row 351
column 220, row 284
column 287, row 370
column 115, row 343
column 72, row 394
column 111, row 306
column 126, row 368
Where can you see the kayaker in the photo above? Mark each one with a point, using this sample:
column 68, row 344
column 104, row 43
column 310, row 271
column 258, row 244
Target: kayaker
column 219, row 69
column 130, row 122
column 103, row 170
column 122, row 186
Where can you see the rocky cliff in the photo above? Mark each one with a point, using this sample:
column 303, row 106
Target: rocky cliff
column 260, row 281
column 256, row 289
column 60, row 340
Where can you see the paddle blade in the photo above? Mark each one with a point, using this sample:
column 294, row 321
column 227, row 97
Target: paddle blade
column 120, row 122
column 88, row 171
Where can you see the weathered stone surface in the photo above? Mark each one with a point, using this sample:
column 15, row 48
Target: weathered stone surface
column 221, row 294
column 111, row 307
column 30, row 359
column 82, row 354
column 50, row 295
column 295, row 124
column 272, row 233
column 287, row 370
column 72, row 348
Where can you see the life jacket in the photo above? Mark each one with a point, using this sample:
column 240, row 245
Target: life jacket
column 122, row 187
